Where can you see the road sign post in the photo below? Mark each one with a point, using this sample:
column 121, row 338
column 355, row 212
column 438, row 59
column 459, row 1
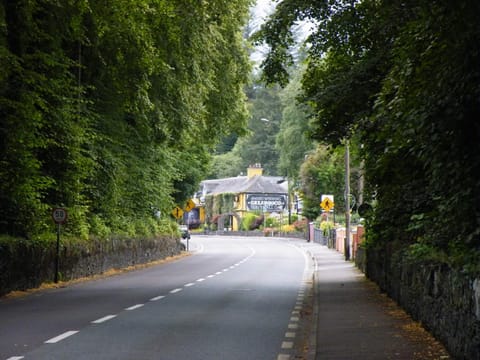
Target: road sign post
column 59, row 216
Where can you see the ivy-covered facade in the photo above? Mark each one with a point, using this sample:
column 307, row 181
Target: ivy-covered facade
column 235, row 196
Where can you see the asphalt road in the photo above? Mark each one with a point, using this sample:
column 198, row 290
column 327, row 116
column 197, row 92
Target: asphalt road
column 234, row 298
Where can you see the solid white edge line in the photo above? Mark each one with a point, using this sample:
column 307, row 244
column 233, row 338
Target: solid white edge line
column 157, row 298
column 103, row 319
column 134, row 307
column 61, row 337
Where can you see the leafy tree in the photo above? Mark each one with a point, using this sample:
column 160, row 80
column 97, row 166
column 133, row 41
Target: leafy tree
column 112, row 110
column 322, row 173
column 292, row 142
column 402, row 78
column 258, row 144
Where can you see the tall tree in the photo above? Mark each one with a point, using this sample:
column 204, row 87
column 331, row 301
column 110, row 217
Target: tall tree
column 292, row 142
column 112, row 110
column 402, row 77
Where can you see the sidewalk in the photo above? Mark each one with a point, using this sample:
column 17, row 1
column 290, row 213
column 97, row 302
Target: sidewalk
column 356, row 321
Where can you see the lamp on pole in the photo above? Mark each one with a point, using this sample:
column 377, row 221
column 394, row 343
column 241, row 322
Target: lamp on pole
column 347, row 201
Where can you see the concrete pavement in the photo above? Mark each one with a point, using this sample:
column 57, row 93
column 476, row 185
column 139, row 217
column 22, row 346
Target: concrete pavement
column 354, row 320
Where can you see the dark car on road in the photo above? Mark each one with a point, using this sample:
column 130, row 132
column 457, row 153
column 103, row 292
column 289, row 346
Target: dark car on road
column 185, row 232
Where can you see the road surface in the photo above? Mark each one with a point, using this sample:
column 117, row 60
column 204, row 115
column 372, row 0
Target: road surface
column 233, row 298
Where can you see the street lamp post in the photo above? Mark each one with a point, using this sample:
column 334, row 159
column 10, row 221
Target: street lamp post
column 347, row 201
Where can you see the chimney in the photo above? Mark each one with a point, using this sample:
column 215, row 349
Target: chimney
column 254, row 170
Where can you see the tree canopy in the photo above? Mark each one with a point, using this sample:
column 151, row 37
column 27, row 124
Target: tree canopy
column 402, row 78
column 112, row 109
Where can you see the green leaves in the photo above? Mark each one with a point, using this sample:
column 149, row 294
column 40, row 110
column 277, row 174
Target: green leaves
column 112, row 110
column 403, row 78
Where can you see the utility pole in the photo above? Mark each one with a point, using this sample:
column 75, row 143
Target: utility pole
column 347, row 201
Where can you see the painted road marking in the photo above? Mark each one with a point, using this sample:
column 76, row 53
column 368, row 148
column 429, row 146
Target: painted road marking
column 103, row 319
column 283, row 357
column 290, row 334
column 60, row 337
column 287, row 344
column 15, row 357
column 210, row 276
column 157, row 298
column 201, row 279
column 189, row 284
column 293, row 326
column 175, row 290
column 134, row 307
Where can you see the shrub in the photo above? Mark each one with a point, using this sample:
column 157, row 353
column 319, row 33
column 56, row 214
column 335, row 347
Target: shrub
column 248, row 221
column 301, row 225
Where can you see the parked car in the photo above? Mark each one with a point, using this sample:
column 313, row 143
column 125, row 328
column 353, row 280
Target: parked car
column 185, row 232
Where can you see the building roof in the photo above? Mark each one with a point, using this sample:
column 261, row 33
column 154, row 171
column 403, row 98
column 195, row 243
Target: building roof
column 244, row 184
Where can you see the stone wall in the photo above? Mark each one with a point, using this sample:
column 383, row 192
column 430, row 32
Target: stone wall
column 444, row 300
column 26, row 265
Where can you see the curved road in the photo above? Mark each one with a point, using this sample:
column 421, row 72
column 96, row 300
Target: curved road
column 234, row 298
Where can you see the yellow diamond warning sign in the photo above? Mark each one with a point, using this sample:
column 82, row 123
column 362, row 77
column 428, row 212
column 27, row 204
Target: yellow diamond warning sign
column 177, row 213
column 327, row 203
column 189, row 205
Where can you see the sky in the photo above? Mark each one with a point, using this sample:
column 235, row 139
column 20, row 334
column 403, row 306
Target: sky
column 259, row 12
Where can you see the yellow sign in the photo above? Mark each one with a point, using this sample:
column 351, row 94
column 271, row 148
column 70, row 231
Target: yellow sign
column 177, row 212
column 190, row 205
column 327, row 204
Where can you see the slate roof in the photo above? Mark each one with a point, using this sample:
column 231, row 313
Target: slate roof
column 244, row 184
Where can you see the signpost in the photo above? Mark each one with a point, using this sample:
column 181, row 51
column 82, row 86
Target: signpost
column 59, row 216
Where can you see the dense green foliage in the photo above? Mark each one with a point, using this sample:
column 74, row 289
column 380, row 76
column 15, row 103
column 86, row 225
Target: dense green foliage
column 322, row 173
column 279, row 144
column 258, row 144
column 292, row 142
column 112, row 109
column 402, row 78
column 218, row 204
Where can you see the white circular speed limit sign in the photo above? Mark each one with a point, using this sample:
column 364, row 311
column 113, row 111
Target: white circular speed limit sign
column 59, row 215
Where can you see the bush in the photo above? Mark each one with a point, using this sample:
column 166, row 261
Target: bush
column 248, row 221
column 326, row 226
column 301, row 225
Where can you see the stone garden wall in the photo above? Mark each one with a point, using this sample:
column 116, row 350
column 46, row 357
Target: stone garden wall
column 25, row 265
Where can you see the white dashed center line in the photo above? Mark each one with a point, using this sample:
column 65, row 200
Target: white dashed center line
column 60, row 337
column 103, row 319
column 67, row 334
